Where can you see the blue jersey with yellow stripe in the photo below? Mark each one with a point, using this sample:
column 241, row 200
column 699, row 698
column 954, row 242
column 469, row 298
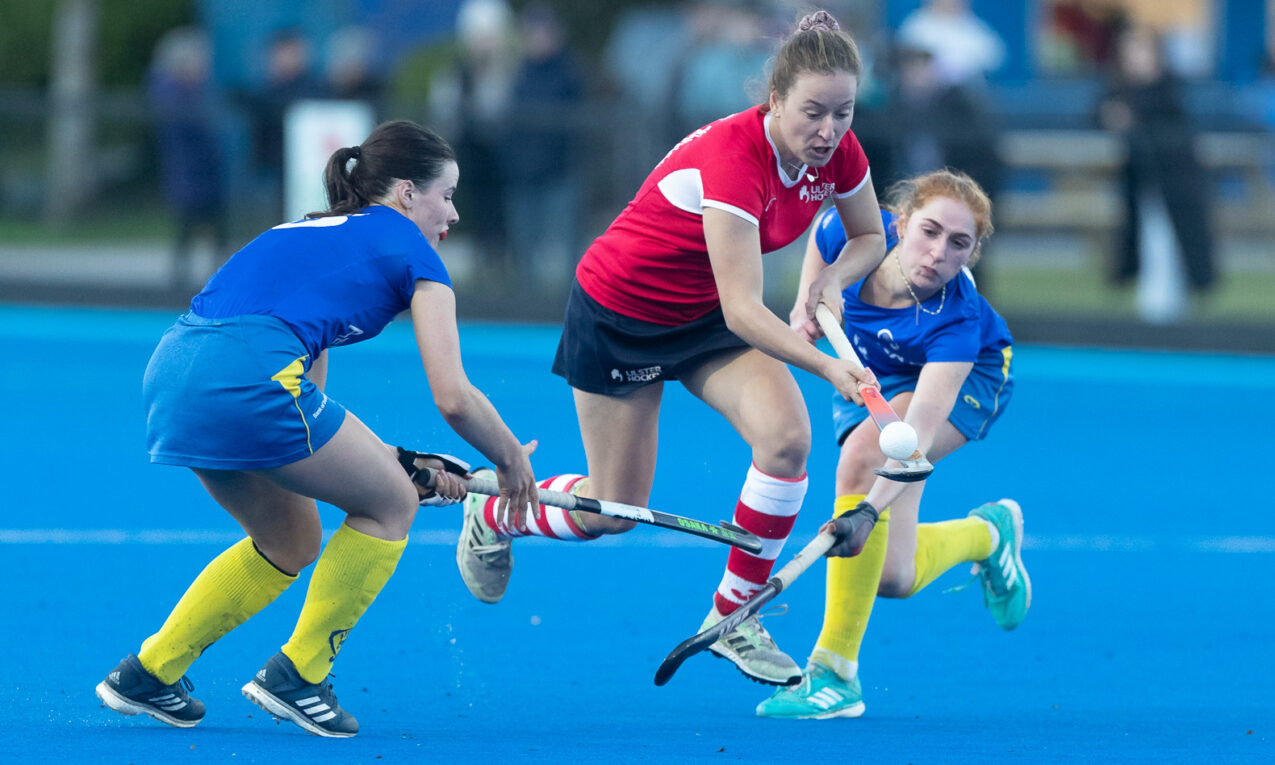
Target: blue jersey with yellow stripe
column 334, row 280
column 901, row 340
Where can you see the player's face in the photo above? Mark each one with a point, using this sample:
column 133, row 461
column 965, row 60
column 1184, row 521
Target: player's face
column 936, row 242
column 431, row 207
column 814, row 115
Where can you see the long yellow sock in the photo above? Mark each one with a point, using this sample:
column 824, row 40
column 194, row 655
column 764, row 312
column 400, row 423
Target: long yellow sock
column 234, row 586
column 939, row 546
column 347, row 578
column 852, row 590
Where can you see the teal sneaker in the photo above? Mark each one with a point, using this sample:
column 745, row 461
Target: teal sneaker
column 1007, row 590
column 820, row 695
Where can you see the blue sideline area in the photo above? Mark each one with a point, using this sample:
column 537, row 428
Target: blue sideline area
column 1143, row 477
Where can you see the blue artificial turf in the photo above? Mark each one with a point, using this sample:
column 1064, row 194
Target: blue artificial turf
column 1151, row 547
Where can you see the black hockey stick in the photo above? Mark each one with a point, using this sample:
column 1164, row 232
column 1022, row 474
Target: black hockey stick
column 724, row 532
column 782, row 578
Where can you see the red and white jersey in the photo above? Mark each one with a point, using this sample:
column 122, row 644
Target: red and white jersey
column 652, row 263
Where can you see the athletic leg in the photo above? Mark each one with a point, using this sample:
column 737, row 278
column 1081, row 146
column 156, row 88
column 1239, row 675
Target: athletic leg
column 621, row 439
column 356, row 472
column 283, row 537
column 484, row 552
column 760, row 398
column 917, row 554
column 619, row 434
column 830, row 686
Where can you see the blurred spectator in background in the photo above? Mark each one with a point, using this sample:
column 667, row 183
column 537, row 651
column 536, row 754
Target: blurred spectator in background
column 928, row 123
column 934, row 123
column 190, row 154
column 730, row 45
column 1162, row 176
column 964, row 47
column 470, row 106
column 1079, row 36
column 542, row 180
column 289, row 78
column 349, row 68
column 641, row 56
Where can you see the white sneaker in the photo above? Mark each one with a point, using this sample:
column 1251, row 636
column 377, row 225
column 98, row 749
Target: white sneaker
column 485, row 561
column 751, row 648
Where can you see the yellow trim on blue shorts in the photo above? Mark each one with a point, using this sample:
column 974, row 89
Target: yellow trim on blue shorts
column 290, row 378
column 1007, row 355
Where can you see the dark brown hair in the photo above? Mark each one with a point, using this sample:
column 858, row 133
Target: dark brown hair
column 398, row 150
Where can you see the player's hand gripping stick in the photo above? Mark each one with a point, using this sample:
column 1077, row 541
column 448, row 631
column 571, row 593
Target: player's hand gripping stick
column 725, row 532
column 915, row 467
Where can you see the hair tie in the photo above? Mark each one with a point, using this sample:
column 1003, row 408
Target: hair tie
column 356, row 152
column 818, row 20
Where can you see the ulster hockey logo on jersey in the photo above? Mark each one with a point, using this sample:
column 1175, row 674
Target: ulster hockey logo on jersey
column 816, row 192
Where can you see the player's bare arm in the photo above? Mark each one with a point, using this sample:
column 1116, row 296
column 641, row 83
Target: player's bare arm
column 463, row 406
column 864, row 250
column 734, row 249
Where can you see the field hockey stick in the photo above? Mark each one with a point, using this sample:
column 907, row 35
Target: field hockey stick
column 775, row 585
column 912, row 469
column 725, row 532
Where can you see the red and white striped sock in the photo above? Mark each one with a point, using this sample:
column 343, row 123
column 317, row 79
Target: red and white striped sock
column 553, row 522
column 767, row 507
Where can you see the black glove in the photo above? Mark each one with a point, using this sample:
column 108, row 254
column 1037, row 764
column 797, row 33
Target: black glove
column 852, row 529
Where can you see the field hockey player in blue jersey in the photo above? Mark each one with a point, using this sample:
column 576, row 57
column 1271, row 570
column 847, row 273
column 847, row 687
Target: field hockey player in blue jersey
column 235, row 392
column 943, row 358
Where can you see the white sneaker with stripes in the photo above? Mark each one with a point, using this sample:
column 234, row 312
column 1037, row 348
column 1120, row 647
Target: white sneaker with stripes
column 751, row 648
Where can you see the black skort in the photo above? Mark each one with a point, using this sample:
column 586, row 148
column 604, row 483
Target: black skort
column 605, row 352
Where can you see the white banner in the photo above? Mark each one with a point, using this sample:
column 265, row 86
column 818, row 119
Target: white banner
column 312, row 130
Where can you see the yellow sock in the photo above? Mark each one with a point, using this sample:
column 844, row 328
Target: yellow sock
column 349, row 575
column 939, row 546
column 852, row 590
column 234, row 586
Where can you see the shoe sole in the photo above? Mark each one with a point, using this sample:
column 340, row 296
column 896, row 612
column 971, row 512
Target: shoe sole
column 854, row 710
column 126, row 706
column 279, row 708
column 1016, row 513
column 734, row 659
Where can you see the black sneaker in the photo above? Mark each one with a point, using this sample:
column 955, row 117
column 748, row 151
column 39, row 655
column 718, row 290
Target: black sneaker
column 282, row 692
column 131, row 690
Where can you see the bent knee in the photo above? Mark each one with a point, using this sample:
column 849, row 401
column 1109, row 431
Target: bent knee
column 605, row 524
column 784, row 452
column 893, row 587
column 293, row 554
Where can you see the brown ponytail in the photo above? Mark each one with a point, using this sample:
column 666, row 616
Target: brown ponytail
column 357, row 176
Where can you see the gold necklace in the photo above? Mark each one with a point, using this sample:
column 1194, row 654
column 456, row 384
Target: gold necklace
column 908, row 284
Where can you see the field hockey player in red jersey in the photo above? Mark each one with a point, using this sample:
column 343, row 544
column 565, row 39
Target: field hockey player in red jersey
column 672, row 290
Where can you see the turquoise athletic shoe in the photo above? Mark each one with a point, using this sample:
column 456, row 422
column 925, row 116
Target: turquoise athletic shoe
column 820, row 695
column 1007, row 590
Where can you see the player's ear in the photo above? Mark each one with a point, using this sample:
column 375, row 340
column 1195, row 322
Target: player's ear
column 405, row 191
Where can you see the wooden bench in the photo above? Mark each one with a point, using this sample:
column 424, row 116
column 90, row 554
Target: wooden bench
column 1077, row 172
